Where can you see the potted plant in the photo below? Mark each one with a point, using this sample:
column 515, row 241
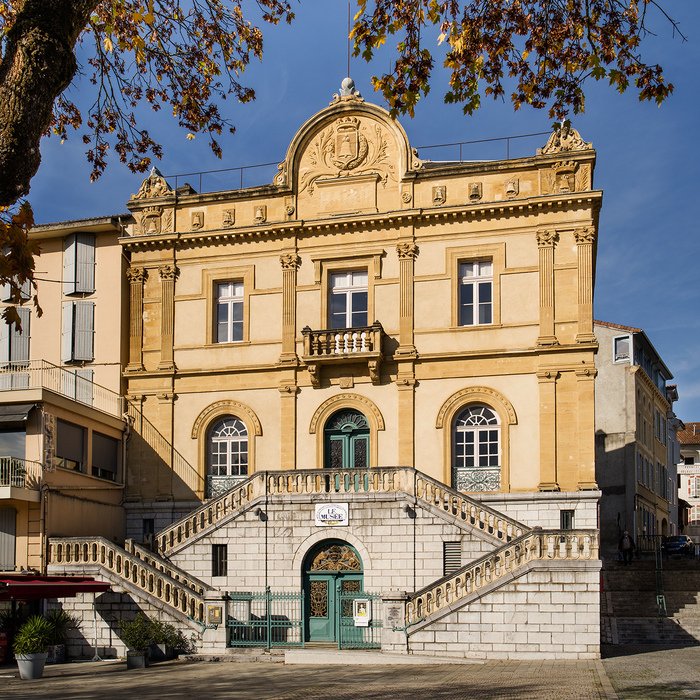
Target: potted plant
column 30, row 645
column 137, row 634
column 167, row 642
column 60, row 622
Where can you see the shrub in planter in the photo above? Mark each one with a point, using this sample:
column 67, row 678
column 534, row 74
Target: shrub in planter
column 61, row 622
column 30, row 645
column 168, row 641
column 137, row 634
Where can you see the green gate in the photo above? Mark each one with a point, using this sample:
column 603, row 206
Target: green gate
column 359, row 636
column 266, row 619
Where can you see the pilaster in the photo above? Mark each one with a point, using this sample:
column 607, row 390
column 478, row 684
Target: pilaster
column 546, row 240
column 168, row 273
column 585, row 377
column 585, row 238
column 136, row 277
column 407, row 255
column 290, row 264
column 548, row 429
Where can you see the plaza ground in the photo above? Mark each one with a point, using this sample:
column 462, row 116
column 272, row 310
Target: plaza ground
column 625, row 673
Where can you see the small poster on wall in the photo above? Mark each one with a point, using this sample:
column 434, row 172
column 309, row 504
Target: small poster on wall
column 361, row 612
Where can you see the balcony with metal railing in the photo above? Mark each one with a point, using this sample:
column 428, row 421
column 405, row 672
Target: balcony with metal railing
column 19, row 479
column 343, row 345
column 40, row 374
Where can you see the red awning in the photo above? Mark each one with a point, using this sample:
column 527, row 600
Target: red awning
column 23, row 587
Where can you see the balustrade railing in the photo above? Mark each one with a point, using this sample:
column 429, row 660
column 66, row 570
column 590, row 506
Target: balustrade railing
column 40, row 374
column 184, row 594
column 533, row 545
column 20, row 473
column 343, row 341
column 341, row 481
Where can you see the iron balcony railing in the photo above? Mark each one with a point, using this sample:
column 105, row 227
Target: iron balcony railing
column 20, row 473
column 40, row 374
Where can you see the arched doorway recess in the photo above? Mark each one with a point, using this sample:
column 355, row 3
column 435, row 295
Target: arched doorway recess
column 346, row 440
column 330, row 568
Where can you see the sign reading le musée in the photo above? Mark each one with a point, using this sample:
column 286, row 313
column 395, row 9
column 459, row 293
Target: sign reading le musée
column 332, row 514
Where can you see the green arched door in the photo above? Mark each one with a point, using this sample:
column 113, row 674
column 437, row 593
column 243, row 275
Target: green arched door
column 347, row 441
column 332, row 567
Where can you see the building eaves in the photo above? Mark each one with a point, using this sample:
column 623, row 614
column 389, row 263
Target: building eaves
column 607, row 324
column 691, row 434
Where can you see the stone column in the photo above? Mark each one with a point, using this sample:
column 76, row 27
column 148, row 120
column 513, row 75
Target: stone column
column 136, row 277
column 546, row 240
column 288, row 362
column 585, row 377
column 407, row 256
column 585, row 237
column 168, row 273
column 548, row 429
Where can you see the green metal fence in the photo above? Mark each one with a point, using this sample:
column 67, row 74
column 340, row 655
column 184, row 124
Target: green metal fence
column 266, row 619
column 368, row 633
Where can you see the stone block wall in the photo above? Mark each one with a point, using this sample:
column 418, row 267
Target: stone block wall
column 551, row 612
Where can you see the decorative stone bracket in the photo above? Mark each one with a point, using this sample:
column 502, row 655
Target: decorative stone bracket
column 342, row 346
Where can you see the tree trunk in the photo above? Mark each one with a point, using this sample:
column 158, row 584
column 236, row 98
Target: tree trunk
column 37, row 65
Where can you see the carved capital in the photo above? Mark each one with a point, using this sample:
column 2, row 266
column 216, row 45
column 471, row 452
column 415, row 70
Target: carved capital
column 545, row 375
column 584, row 235
column 168, row 272
column 586, row 373
column 290, row 261
column 407, row 251
column 136, row 275
column 547, row 238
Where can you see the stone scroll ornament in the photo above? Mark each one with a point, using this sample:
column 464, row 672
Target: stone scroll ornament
column 563, row 140
column 155, row 185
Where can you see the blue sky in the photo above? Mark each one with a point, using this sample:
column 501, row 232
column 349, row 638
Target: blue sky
column 647, row 162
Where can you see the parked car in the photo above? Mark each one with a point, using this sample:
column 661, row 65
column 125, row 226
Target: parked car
column 680, row 545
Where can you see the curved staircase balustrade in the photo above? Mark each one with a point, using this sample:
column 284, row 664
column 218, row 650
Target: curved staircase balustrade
column 340, row 481
column 500, row 564
column 159, row 579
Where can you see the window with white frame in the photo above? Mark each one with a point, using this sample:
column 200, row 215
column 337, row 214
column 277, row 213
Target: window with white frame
column 79, row 264
column 477, row 450
column 694, row 487
column 77, row 339
column 229, row 312
column 694, row 515
column 476, row 293
column 621, row 348
column 228, row 448
column 348, row 299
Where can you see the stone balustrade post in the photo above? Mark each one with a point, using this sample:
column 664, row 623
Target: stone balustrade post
column 394, row 637
column 215, row 636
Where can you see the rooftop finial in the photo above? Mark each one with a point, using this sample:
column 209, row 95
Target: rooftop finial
column 347, row 91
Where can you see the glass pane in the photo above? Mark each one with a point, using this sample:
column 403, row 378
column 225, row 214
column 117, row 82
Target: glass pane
column 466, row 305
column 336, row 456
column 338, row 311
column 237, row 334
column 485, row 268
column 237, row 309
column 360, row 453
column 466, row 270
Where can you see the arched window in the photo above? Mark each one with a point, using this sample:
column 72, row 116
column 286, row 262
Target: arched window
column 228, row 455
column 476, row 460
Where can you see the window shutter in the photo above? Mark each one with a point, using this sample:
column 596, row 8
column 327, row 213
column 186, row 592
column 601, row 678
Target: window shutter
column 4, row 342
column 85, row 263
column 69, row 286
column 68, row 383
column 19, row 342
column 83, row 386
column 67, row 332
column 84, row 330
column 27, row 290
column 5, row 292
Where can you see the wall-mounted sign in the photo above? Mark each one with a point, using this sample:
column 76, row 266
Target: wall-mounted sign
column 214, row 614
column 332, row 514
column 361, row 612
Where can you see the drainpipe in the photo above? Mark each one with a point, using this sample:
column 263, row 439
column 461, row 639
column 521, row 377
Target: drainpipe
column 43, row 542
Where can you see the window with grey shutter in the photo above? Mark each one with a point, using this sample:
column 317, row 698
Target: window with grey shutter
column 78, row 331
column 26, row 291
column 14, row 344
column 451, row 557
column 70, row 446
column 105, row 456
column 79, row 264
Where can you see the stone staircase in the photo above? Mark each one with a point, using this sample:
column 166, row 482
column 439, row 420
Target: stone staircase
column 629, row 610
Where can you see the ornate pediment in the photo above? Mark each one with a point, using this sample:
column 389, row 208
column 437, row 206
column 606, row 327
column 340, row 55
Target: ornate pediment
column 155, row 185
column 564, row 140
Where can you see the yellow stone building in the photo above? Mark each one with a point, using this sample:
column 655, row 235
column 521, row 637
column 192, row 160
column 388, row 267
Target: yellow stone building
column 446, row 306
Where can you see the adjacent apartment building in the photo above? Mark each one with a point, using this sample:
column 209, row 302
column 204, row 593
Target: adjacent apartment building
column 636, row 441
column 372, row 377
column 689, row 477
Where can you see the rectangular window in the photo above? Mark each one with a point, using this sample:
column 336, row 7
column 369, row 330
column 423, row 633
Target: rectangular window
column 621, row 349
column 688, row 460
column 229, row 312
column 79, row 264
column 348, row 299
column 566, row 519
column 451, row 557
column 219, row 560
column 476, row 293
column 105, row 456
column 639, row 468
column 70, row 446
column 148, row 527
column 78, row 336
column 694, row 486
column 14, row 344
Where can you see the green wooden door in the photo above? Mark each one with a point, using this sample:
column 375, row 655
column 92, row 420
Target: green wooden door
column 347, row 441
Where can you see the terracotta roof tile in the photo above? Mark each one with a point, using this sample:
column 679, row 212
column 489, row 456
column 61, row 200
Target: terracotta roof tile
column 691, row 434
column 630, row 329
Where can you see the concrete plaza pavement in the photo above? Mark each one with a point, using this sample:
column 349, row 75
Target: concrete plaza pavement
column 628, row 673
